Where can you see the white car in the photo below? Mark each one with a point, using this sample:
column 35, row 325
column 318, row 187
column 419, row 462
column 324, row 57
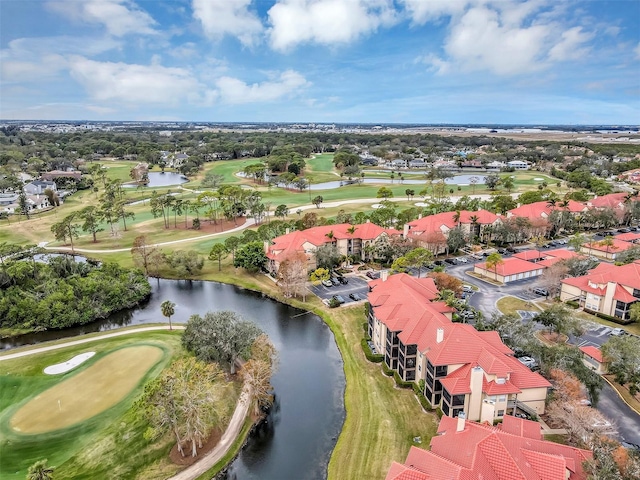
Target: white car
column 618, row 331
column 462, row 260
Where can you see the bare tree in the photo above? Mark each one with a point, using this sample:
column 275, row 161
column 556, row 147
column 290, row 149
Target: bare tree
column 257, row 373
column 292, row 275
column 146, row 256
column 186, row 400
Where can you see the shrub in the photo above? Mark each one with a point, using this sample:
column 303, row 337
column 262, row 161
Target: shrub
column 573, row 304
column 401, row 383
column 369, row 354
column 617, row 320
column 334, row 303
column 386, row 370
column 439, row 412
column 424, row 402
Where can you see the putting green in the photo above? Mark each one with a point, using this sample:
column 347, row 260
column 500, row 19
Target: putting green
column 101, row 386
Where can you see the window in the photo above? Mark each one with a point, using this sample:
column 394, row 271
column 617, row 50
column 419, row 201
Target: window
column 441, row 371
column 502, row 398
column 458, row 400
column 501, row 413
column 411, row 349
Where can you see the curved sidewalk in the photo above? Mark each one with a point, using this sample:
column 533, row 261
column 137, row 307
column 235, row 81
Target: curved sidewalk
column 249, row 223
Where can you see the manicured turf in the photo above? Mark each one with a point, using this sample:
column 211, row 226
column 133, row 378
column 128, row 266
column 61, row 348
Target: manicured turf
column 88, row 393
column 99, row 447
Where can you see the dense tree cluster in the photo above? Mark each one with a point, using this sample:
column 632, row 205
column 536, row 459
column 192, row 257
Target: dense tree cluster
column 63, row 293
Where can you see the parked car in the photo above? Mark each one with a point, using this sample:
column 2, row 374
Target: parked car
column 339, row 298
column 355, row 297
column 373, row 275
column 528, row 362
column 502, row 251
column 467, row 288
column 462, row 260
column 467, row 314
column 327, row 283
column 343, row 280
column 618, row 331
column 541, row 291
column 335, row 281
column 439, row 263
column 450, row 261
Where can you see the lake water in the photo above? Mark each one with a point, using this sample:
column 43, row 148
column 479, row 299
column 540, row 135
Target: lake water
column 456, row 180
column 301, row 431
column 159, row 179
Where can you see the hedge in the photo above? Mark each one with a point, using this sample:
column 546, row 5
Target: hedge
column 401, row 383
column 617, row 320
column 374, row 358
column 387, row 371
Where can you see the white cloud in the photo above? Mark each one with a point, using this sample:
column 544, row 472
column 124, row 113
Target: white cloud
column 422, row 11
column 119, row 17
column 130, row 83
column 637, row 51
column 326, row 21
column 570, row 46
column 482, row 40
column 34, row 59
column 228, row 17
column 232, row 90
column 22, row 71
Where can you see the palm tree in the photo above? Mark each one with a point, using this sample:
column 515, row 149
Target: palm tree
column 607, row 242
column 40, row 471
column 456, row 218
column 168, row 308
column 492, row 262
column 475, row 226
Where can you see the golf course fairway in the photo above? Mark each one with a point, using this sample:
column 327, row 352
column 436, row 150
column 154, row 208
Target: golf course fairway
column 89, row 392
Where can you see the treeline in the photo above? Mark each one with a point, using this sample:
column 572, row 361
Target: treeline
column 62, row 292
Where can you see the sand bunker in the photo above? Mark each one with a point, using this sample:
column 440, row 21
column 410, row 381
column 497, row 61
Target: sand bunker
column 69, row 364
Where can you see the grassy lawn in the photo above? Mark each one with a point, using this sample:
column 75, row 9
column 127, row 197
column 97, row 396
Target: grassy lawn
column 320, row 163
column 624, row 393
column 110, row 444
column 93, row 390
column 511, row 305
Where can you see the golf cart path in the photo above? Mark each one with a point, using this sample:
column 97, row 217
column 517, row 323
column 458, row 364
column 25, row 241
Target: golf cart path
column 249, row 223
column 228, row 437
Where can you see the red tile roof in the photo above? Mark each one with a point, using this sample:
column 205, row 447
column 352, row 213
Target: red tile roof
column 617, row 247
column 593, row 352
column 529, row 255
column 512, row 451
column 521, row 427
column 531, row 210
column 629, row 236
column 317, row 236
column 627, row 275
column 403, row 301
column 511, row 266
column 445, row 221
column 613, row 200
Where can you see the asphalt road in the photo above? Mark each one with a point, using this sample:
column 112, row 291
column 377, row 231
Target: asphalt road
column 627, row 421
column 355, row 285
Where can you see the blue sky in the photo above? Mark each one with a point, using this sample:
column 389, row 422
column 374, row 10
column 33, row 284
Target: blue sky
column 373, row 61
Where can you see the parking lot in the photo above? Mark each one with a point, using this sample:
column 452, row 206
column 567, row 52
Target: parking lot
column 356, row 285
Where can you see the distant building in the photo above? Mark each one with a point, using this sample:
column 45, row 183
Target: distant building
column 518, row 165
column 37, row 187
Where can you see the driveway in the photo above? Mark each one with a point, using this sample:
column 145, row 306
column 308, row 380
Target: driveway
column 356, row 285
column 626, row 420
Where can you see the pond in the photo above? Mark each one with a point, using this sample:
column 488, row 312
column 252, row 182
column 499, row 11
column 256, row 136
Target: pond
column 456, row 180
column 162, row 179
column 303, row 427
